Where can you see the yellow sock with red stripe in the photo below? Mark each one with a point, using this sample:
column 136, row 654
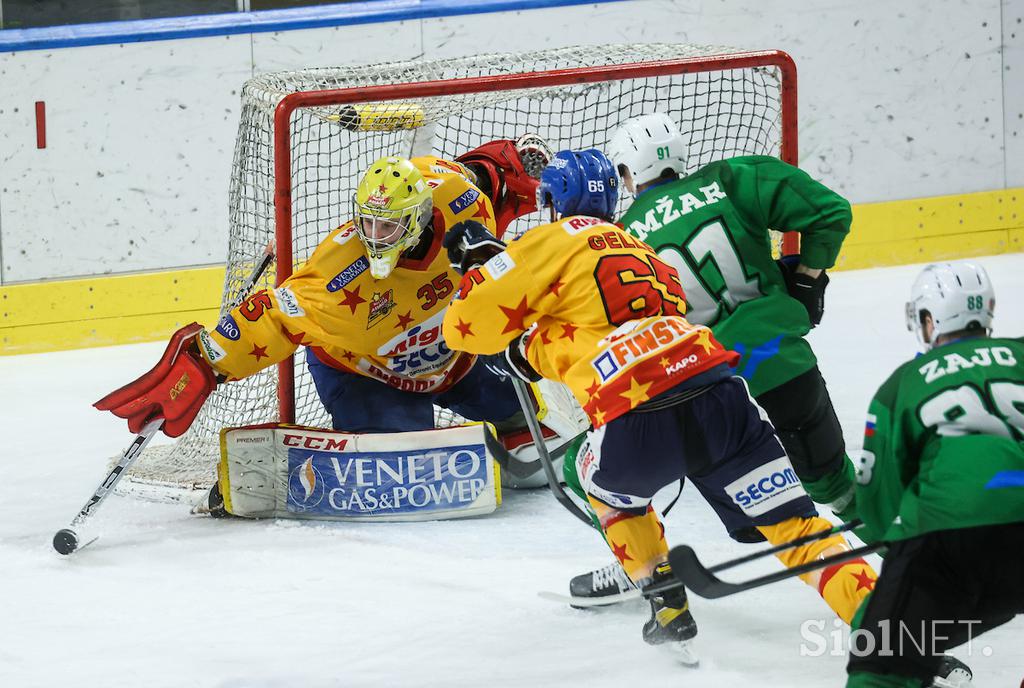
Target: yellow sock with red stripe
column 843, row 586
column 638, row 542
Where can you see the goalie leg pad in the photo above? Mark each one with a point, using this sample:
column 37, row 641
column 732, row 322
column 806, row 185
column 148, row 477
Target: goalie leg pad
column 278, row 471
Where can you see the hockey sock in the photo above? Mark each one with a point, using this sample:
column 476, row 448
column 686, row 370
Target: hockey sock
column 843, row 586
column 637, row 541
column 835, row 489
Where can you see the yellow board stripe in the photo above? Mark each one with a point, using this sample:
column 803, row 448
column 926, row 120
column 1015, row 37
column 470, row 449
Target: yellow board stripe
column 102, row 311
column 929, row 229
column 124, row 309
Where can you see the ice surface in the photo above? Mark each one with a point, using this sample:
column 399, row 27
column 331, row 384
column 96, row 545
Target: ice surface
column 169, row 599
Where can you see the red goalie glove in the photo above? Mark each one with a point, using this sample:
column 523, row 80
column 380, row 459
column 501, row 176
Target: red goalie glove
column 508, row 172
column 174, row 389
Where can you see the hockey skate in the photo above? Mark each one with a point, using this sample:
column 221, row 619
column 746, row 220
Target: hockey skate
column 607, row 580
column 671, row 623
column 953, row 674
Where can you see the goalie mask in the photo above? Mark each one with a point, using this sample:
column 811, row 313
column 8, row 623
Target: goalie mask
column 391, row 206
column 646, row 147
column 957, row 296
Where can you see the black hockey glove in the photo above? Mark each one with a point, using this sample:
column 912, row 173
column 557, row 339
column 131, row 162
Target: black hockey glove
column 512, row 361
column 810, row 291
column 470, row 244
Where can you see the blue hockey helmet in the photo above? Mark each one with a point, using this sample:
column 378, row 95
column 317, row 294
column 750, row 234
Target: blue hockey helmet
column 580, row 183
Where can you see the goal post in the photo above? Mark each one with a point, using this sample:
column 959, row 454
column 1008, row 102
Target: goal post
column 306, row 136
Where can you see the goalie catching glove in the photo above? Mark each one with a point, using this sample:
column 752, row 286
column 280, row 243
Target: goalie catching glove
column 174, row 389
column 809, row 291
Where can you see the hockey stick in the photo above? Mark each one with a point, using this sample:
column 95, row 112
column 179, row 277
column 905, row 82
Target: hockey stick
column 523, row 393
column 702, row 581
column 67, row 540
column 515, row 467
column 689, row 561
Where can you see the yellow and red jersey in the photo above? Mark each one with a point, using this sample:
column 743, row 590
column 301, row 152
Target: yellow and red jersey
column 388, row 329
column 607, row 315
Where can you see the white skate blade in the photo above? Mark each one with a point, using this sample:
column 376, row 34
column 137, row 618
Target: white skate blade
column 684, row 652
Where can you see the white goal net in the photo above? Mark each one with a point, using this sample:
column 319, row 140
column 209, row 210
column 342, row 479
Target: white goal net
column 727, row 103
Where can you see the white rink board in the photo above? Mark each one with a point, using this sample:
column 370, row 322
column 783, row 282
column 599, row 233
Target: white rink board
column 893, row 104
column 165, row 599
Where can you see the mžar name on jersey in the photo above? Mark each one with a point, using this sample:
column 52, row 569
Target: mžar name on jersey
column 766, row 487
column 626, row 349
column 670, row 208
column 467, row 199
column 345, row 277
column 228, row 328
column 983, row 356
column 379, row 483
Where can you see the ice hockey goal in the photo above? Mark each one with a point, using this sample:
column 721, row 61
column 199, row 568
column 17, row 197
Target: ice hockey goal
column 305, row 137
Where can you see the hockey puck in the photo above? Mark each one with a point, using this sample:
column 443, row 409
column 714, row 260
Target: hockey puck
column 65, row 541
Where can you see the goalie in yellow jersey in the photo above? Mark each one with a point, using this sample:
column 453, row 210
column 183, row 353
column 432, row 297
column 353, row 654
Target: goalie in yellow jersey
column 367, row 305
column 581, row 302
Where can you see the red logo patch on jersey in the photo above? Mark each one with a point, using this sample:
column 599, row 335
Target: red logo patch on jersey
column 381, row 306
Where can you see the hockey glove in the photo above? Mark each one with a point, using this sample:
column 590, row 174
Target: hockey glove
column 174, row 389
column 809, row 291
column 470, row 244
column 512, row 361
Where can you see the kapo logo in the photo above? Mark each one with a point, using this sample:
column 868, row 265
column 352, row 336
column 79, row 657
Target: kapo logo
column 306, row 485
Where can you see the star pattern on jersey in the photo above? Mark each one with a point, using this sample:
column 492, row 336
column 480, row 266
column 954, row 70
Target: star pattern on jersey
column 555, row 286
column 481, row 209
column 516, row 316
column 298, row 339
column 599, row 416
column 637, row 392
column 864, row 580
column 592, row 389
column 664, row 362
column 544, row 336
column 568, row 332
column 349, row 356
column 404, row 320
column 352, row 298
column 704, row 340
column 464, row 328
column 620, row 552
column 259, row 352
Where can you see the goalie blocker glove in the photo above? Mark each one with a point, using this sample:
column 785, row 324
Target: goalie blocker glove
column 174, row 389
column 809, row 291
column 470, row 244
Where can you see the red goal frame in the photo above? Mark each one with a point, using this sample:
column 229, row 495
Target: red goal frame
column 507, row 82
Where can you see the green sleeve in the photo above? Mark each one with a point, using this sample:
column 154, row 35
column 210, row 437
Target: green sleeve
column 787, row 199
column 879, row 470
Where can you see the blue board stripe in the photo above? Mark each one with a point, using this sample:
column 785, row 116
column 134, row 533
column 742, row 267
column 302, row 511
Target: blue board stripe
column 1006, row 479
column 174, row 28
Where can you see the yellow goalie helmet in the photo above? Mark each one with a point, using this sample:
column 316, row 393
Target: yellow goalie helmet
column 391, row 207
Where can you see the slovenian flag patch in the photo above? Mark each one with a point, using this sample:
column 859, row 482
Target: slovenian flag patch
column 869, row 426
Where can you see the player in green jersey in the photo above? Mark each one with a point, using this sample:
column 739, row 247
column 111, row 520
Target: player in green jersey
column 942, row 478
column 713, row 227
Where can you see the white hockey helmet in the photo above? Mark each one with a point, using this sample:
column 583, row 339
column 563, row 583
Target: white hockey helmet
column 957, row 296
column 647, row 146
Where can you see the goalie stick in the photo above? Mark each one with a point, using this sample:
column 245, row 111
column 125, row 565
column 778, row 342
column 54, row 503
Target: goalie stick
column 523, row 393
column 704, row 578
column 68, row 540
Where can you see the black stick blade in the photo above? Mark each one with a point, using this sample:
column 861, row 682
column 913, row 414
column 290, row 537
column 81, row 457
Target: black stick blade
column 65, row 541
column 694, row 576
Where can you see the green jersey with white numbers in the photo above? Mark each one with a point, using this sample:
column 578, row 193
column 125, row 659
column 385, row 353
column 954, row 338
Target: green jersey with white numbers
column 944, row 442
column 713, row 228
